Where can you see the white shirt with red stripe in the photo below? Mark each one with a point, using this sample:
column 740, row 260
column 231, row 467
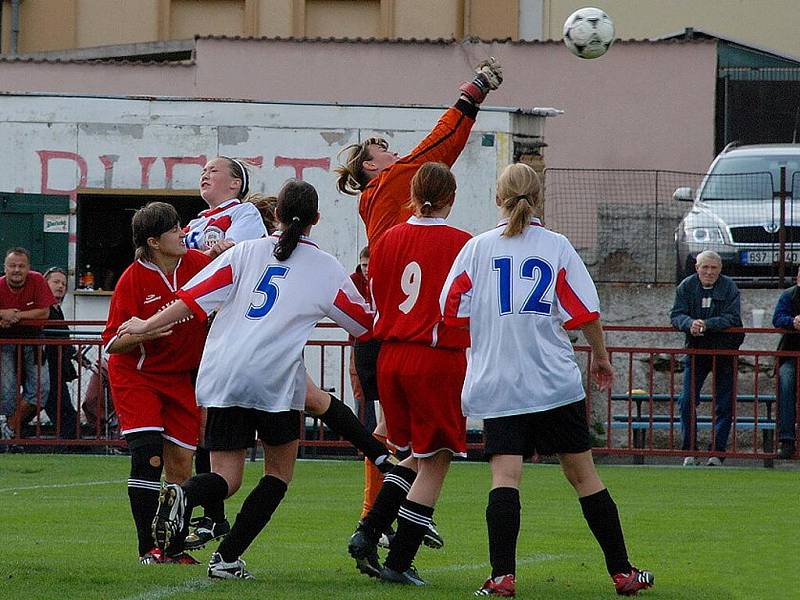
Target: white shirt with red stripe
column 233, row 220
column 266, row 311
column 518, row 295
column 407, row 268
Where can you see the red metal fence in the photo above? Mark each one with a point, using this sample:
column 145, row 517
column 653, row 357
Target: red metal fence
column 638, row 417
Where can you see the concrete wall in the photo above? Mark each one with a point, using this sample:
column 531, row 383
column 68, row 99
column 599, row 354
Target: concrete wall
column 642, row 105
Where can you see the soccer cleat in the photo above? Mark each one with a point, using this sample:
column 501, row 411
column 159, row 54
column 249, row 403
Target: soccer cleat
column 205, row 530
column 154, row 557
column 219, row 569
column 386, row 463
column 714, row 461
column 183, row 559
column 409, row 577
column 168, row 522
column 432, row 538
column 786, row 450
column 502, row 585
column 364, row 549
column 689, row 461
column 629, row 584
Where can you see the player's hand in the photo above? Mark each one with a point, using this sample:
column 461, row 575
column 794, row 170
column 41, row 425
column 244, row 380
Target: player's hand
column 488, row 76
column 602, row 372
column 137, row 327
column 220, row 247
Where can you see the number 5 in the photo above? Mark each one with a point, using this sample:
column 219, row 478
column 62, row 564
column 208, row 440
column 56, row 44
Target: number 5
column 267, row 288
column 410, row 282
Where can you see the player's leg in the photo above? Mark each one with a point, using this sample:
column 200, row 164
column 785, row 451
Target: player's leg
column 279, row 434
column 144, row 484
column 565, row 431
column 343, row 422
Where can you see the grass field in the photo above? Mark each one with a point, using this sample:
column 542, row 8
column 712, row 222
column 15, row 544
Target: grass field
column 730, row 533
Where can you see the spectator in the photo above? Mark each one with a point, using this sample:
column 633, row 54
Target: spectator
column 787, row 316
column 24, row 295
column 364, row 355
column 59, row 399
column 705, row 304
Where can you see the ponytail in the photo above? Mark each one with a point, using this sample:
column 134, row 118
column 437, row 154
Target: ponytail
column 352, row 177
column 520, row 193
column 432, row 188
column 297, row 210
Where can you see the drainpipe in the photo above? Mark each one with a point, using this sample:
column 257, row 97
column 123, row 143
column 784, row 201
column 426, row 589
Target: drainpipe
column 14, row 26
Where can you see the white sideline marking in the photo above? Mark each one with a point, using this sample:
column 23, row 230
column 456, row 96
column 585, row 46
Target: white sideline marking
column 59, row 485
column 525, row 560
column 171, row 590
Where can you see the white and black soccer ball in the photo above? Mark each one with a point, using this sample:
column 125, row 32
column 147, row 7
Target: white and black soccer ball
column 588, row 32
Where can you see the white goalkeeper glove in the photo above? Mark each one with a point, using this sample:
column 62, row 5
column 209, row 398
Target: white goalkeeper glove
column 488, row 76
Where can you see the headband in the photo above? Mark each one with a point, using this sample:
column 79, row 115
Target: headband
column 245, row 177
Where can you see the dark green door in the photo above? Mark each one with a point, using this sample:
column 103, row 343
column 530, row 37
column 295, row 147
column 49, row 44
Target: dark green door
column 37, row 222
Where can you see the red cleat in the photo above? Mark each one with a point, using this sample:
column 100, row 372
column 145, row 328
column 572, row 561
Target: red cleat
column 629, row 584
column 504, row 586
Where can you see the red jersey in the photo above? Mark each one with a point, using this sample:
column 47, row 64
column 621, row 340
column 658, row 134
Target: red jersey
column 142, row 291
column 407, row 270
column 34, row 293
column 384, row 201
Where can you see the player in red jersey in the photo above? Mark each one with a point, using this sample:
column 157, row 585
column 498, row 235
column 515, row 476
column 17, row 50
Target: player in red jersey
column 420, row 373
column 382, row 180
column 151, row 375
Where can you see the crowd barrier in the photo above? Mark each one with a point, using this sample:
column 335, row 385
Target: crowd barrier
column 639, row 417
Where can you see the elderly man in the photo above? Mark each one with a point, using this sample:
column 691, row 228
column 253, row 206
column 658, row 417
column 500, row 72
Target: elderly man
column 787, row 317
column 706, row 303
column 24, row 294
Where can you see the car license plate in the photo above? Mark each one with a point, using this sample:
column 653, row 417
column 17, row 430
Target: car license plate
column 768, row 257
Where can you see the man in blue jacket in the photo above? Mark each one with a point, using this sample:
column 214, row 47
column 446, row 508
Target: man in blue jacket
column 787, row 316
column 705, row 304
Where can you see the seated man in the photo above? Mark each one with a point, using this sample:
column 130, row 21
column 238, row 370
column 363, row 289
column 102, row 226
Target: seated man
column 24, row 294
column 787, row 316
column 705, row 304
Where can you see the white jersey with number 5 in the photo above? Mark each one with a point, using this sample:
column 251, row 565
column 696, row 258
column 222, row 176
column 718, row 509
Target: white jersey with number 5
column 266, row 311
column 518, row 295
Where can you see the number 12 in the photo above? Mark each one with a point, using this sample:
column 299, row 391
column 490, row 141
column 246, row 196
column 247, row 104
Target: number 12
column 533, row 268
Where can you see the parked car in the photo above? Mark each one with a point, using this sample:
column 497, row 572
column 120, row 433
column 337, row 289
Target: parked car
column 736, row 212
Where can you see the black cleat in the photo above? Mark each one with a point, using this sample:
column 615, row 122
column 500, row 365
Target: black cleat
column 364, row 550
column 409, row 577
column 205, row 531
column 168, row 522
column 432, row 538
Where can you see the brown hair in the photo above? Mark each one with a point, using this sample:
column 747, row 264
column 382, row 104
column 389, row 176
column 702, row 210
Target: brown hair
column 266, row 206
column 352, row 178
column 151, row 220
column 432, row 188
column 519, row 190
column 298, row 206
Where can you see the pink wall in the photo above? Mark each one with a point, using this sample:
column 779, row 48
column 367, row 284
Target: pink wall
column 644, row 105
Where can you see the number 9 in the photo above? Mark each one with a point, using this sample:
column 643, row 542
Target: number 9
column 410, row 282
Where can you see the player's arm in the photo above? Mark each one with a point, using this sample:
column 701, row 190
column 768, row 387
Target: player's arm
column 455, row 299
column 135, row 330
column 448, row 138
column 350, row 311
column 600, row 368
column 248, row 224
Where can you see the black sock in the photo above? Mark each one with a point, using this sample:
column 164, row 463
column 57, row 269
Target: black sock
column 202, row 461
column 205, row 489
column 502, row 522
column 343, row 422
column 394, row 490
column 413, row 520
column 601, row 514
column 144, row 485
column 256, row 512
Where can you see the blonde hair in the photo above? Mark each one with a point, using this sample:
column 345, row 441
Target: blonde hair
column 352, row 178
column 519, row 190
column 432, row 188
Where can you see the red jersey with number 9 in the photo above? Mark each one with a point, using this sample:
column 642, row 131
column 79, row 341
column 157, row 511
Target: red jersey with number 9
column 407, row 270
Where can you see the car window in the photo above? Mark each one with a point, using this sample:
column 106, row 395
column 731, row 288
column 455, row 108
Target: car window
column 748, row 177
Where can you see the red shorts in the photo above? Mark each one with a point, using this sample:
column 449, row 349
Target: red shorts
column 156, row 402
column 420, row 392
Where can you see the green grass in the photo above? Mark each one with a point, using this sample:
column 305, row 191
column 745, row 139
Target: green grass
column 728, row 533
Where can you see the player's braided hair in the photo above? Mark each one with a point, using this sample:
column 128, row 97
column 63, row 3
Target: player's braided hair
column 352, row 178
column 297, row 209
column 432, row 188
column 239, row 171
column 152, row 220
column 519, row 190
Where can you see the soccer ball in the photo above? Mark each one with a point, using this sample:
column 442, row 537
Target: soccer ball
column 588, row 32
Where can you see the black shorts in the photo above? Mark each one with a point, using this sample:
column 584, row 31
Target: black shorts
column 365, row 357
column 235, row 428
column 561, row 430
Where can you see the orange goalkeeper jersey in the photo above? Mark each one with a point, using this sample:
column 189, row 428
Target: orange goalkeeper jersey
column 384, row 200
